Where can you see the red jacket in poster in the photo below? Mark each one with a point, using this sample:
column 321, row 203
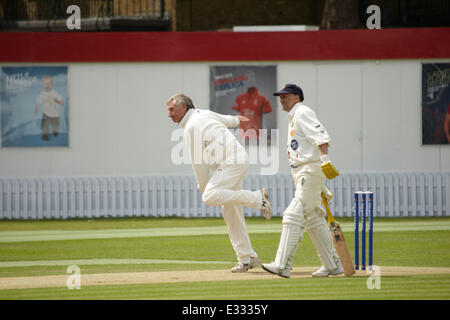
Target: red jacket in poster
column 252, row 105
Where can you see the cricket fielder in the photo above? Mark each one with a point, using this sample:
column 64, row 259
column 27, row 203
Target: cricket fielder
column 215, row 150
column 307, row 149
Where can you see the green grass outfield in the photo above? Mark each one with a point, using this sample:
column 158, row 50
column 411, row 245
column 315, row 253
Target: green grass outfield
column 47, row 248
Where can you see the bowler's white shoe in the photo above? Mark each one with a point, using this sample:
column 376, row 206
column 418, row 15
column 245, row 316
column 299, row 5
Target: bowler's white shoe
column 273, row 268
column 244, row 267
column 254, row 262
column 266, row 207
column 324, row 272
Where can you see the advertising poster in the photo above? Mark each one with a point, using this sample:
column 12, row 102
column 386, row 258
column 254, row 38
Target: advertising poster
column 34, row 106
column 435, row 103
column 248, row 91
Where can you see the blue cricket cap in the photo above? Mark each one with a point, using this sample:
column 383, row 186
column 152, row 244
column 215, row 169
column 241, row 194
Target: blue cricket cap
column 290, row 88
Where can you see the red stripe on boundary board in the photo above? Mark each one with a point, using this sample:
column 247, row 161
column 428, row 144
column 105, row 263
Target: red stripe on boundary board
column 412, row 43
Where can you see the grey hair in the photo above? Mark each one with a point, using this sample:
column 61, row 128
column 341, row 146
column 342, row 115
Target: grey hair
column 181, row 99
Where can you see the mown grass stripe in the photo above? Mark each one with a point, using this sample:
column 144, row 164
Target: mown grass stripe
column 53, row 235
column 415, row 287
column 81, row 262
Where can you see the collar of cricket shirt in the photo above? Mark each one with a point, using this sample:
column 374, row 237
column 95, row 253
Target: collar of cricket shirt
column 186, row 117
column 292, row 112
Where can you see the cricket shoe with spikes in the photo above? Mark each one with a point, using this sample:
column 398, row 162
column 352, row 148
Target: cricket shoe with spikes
column 273, row 268
column 324, row 272
column 244, row 267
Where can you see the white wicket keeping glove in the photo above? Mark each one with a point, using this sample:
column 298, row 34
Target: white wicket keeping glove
column 328, row 169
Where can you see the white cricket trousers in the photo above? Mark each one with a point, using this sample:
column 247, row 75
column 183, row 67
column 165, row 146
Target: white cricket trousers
column 225, row 189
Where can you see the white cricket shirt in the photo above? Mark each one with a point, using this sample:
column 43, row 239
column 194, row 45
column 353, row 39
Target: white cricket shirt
column 210, row 143
column 305, row 135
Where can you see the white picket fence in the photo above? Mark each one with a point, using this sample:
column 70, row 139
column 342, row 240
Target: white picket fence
column 395, row 195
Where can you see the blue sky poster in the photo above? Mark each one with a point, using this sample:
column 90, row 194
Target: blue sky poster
column 34, row 104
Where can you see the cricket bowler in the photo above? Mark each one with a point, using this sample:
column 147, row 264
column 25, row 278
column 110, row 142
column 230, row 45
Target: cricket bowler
column 220, row 164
